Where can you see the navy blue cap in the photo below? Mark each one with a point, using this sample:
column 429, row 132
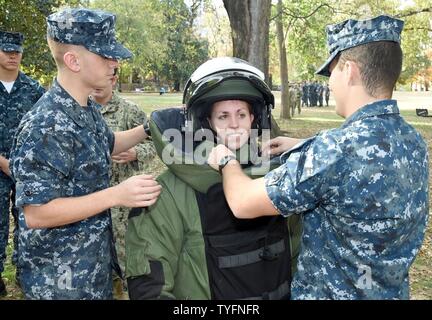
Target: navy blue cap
column 93, row 29
column 11, row 41
column 351, row 33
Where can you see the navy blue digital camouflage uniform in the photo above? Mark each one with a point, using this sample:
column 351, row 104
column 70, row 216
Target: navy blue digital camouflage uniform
column 326, row 90
column 363, row 192
column 319, row 93
column 63, row 150
column 24, row 94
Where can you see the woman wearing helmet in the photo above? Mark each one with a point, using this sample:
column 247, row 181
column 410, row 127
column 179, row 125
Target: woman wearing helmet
column 190, row 246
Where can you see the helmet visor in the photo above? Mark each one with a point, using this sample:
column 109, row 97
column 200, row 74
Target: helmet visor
column 195, row 90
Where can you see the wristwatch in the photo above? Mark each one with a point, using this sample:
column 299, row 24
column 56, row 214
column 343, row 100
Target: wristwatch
column 224, row 161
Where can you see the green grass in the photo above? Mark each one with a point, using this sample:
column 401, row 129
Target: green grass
column 309, row 122
column 8, row 275
column 152, row 101
column 420, row 277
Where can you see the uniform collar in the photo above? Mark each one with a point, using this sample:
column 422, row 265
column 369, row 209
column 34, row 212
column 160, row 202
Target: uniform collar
column 377, row 108
column 20, row 80
column 70, row 106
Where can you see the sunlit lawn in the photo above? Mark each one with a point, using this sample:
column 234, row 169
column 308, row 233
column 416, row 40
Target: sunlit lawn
column 152, row 101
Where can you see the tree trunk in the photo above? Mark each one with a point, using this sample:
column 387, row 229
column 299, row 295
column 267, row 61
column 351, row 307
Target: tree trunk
column 283, row 65
column 250, row 23
column 177, row 86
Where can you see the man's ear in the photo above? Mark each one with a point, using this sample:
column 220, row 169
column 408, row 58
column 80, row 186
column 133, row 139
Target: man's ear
column 71, row 61
column 114, row 80
column 352, row 73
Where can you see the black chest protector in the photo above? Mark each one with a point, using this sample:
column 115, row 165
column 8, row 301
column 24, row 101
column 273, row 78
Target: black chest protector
column 246, row 258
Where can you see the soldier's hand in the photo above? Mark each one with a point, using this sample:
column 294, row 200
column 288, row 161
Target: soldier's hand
column 216, row 155
column 138, row 191
column 125, row 157
column 279, row 145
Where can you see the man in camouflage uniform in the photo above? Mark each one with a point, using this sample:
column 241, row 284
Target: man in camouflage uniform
column 294, row 98
column 320, row 91
column 313, row 97
column 362, row 188
column 121, row 115
column 304, row 91
column 61, row 160
column 326, row 94
column 298, row 97
column 18, row 93
column 291, row 98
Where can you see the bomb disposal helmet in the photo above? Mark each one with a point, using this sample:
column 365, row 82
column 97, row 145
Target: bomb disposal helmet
column 227, row 78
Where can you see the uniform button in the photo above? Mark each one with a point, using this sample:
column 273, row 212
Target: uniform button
column 28, row 193
column 273, row 179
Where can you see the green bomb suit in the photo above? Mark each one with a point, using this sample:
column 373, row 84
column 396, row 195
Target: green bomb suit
column 189, row 245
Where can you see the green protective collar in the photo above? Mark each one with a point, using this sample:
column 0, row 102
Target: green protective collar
column 196, row 174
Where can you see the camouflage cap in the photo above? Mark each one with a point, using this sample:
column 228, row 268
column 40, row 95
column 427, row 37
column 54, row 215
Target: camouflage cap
column 11, row 41
column 93, row 29
column 352, row 33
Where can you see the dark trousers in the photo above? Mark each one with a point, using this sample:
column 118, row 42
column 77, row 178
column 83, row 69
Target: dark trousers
column 7, row 206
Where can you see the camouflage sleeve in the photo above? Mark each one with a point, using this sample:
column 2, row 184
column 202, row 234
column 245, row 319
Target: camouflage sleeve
column 145, row 150
column 108, row 132
column 153, row 247
column 306, row 177
column 37, row 91
column 40, row 167
column 145, row 153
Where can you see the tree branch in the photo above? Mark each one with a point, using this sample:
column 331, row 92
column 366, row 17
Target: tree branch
column 296, row 17
column 293, row 15
column 290, row 13
column 419, row 28
column 413, row 12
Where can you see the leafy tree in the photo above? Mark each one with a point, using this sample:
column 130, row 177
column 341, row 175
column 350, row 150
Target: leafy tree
column 216, row 27
column 304, row 23
column 185, row 50
column 161, row 36
column 416, row 39
column 28, row 17
column 139, row 26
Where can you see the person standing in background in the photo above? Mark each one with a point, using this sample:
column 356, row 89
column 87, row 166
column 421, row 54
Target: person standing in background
column 18, row 93
column 121, row 115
